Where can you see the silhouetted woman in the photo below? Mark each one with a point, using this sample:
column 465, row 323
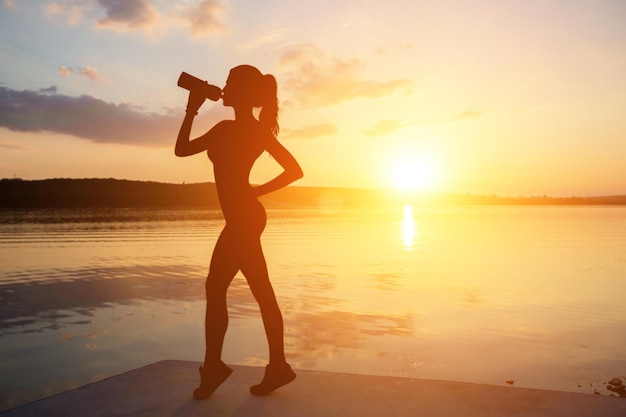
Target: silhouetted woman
column 233, row 146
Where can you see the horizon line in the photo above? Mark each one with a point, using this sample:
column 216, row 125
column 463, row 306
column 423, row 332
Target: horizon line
column 391, row 190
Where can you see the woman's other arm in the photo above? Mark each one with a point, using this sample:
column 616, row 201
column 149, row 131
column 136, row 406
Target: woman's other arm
column 291, row 169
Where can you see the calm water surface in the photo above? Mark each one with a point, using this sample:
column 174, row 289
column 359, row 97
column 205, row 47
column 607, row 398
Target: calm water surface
column 528, row 295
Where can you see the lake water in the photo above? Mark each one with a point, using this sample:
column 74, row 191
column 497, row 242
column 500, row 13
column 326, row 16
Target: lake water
column 528, row 296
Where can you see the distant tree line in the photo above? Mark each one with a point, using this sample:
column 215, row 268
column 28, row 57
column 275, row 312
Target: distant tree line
column 105, row 193
column 114, row 193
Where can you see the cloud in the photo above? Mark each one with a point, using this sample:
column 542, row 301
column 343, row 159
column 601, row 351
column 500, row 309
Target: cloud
column 51, row 90
column 262, row 39
column 90, row 73
column 85, row 117
column 127, row 14
column 468, row 114
column 119, row 14
column 9, row 146
column 393, row 46
column 65, row 72
column 318, row 79
column 70, row 10
column 385, row 127
column 309, row 132
column 87, row 72
column 204, row 18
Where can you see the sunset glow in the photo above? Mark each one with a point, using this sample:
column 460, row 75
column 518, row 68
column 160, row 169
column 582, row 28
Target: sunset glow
column 513, row 98
column 411, row 174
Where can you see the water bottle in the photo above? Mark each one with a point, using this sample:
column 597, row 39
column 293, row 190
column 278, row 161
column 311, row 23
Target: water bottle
column 191, row 83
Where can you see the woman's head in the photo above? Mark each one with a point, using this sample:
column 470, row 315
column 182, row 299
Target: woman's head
column 247, row 86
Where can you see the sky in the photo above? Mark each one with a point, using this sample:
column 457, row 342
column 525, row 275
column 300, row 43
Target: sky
column 507, row 97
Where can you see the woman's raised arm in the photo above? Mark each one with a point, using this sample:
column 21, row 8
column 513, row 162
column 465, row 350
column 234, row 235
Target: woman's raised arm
column 185, row 146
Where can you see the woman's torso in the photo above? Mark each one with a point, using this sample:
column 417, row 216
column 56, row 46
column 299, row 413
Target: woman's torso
column 233, row 154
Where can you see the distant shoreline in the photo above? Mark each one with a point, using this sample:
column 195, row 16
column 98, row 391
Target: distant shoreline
column 114, row 193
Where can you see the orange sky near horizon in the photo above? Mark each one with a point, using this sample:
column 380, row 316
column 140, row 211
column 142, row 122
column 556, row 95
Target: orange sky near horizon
column 484, row 96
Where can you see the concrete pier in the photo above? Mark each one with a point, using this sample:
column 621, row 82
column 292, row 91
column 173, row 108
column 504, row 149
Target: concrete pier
column 164, row 389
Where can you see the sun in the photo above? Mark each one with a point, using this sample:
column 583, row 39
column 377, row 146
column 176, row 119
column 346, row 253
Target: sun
column 414, row 173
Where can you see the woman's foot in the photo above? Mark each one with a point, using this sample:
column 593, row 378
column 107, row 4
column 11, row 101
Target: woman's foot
column 210, row 380
column 275, row 377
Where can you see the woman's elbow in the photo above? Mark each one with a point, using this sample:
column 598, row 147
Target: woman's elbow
column 298, row 173
column 181, row 151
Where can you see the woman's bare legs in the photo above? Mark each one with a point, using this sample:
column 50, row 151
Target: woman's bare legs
column 233, row 253
column 236, row 250
column 224, row 266
column 254, row 268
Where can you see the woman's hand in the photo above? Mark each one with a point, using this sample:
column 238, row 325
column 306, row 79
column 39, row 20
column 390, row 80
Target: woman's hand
column 195, row 101
column 291, row 173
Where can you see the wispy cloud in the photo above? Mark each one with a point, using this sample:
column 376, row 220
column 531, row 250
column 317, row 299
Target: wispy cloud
column 127, row 14
column 309, row 132
column 385, row 127
column 119, row 15
column 468, row 114
column 9, row 4
column 85, row 117
column 51, row 90
column 264, row 38
column 202, row 18
column 205, row 18
column 65, row 71
column 393, row 46
column 318, row 79
column 10, row 146
column 90, row 73
column 72, row 11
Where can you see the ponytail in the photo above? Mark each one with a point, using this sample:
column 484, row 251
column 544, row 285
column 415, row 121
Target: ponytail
column 263, row 93
column 269, row 112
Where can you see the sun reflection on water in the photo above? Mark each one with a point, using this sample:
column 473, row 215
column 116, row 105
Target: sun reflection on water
column 409, row 229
